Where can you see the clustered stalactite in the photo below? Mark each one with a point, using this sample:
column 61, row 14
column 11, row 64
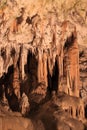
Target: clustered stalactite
column 51, row 42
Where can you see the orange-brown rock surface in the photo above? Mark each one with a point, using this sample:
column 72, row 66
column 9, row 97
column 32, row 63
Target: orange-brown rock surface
column 41, row 65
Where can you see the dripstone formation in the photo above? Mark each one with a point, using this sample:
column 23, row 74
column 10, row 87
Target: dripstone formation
column 39, row 55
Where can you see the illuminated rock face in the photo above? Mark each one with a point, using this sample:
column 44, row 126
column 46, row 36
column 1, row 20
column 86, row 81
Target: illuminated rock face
column 51, row 51
column 39, row 53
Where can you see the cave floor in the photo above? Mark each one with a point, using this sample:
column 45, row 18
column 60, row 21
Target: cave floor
column 45, row 115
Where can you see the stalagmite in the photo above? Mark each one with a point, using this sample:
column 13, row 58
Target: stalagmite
column 16, row 82
column 4, row 100
column 24, row 105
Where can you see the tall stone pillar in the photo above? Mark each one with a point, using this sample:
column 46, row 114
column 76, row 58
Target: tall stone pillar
column 73, row 54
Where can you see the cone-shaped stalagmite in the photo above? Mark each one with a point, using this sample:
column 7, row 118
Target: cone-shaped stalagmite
column 16, row 83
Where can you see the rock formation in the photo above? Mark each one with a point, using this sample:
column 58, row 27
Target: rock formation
column 39, row 55
column 46, row 52
column 83, row 73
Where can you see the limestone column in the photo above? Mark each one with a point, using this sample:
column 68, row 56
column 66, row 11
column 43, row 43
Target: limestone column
column 42, row 74
column 61, row 55
column 74, row 69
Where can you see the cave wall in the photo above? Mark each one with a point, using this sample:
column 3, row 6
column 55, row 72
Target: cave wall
column 43, row 53
column 45, row 40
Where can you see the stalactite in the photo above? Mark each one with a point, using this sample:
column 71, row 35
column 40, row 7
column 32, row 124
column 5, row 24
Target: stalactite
column 15, row 55
column 74, row 68
column 68, row 83
column 4, row 100
column 45, row 38
column 60, row 66
column 8, row 61
column 42, row 74
column 45, row 68
column 61, row 53
column 16, row 83
column 23, row 62
column 51, row 60
column 14, row 26
column 1, row 66
column 40, row 67
column 49, row 65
